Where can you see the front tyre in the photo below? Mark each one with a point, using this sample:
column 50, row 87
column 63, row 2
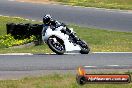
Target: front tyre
column 84, row 47
column 56, row 45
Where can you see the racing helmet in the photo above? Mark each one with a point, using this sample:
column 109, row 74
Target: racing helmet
column 47, row 18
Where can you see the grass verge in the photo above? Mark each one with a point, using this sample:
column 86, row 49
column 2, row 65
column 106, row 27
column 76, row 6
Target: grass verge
column 98, row 40
column 110, row 4
column 55, row 81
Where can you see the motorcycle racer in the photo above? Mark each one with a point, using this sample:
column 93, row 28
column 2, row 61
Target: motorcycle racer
column 49, row 21
column 59, row 37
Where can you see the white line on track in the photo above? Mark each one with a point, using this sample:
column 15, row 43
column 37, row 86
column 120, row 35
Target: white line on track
column 11, row 0
column 111, row 52
column 90, row 66
column 17, row 54
column 113, row 65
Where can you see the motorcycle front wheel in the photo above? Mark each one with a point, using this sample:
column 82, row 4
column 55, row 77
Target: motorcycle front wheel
column 56, row 45
column 84, row 47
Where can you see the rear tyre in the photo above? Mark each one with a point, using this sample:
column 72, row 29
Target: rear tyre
column 56, row 45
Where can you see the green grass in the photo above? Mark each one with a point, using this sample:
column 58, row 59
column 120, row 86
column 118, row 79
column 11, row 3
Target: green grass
column 110, row 4
column 55, row 81
column 41, row 49
column 98, row 40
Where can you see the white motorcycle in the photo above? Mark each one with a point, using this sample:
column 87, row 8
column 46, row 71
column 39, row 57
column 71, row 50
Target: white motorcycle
column 60, row 42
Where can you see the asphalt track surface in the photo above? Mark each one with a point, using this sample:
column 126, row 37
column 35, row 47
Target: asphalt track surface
column 91, row 17
column 15, row 65
column 62, row 62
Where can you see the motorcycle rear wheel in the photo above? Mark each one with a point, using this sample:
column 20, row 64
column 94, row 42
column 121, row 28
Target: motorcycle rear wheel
column 56, row 45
